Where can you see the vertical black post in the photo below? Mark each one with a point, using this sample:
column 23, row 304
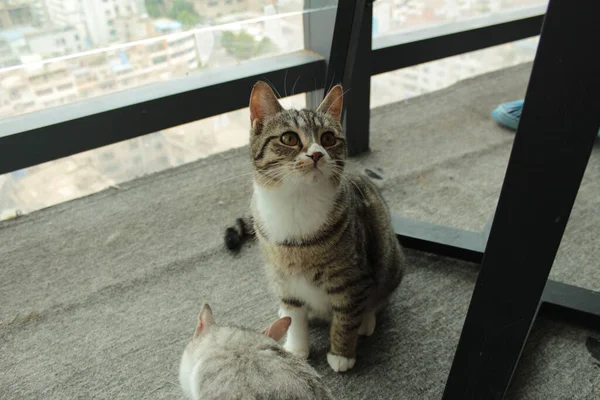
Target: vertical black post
column 350, row 64
column 318, row 34
column 550, row 153
column 358, row 90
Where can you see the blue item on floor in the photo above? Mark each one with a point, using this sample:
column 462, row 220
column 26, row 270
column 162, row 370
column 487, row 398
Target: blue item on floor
column 509, row 114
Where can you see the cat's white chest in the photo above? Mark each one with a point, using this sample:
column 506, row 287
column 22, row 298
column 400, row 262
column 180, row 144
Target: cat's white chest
column 288, row 212
column 301, row 288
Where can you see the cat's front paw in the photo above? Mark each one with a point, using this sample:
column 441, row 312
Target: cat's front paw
column 340, row 363
column 299, row 351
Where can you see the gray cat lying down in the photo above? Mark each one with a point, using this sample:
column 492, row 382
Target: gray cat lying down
column 228, row 363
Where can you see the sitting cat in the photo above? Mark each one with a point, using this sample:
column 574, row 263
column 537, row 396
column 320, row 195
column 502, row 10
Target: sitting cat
column 226, row 363
column 326, row 234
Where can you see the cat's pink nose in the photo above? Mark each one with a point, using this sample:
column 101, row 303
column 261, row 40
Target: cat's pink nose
column 315, row 156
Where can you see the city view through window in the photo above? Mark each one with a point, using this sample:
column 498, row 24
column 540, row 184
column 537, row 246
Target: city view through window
column 55, row 52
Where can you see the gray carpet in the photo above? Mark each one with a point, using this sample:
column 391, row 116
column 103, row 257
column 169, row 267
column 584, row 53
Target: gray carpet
column 98, row 296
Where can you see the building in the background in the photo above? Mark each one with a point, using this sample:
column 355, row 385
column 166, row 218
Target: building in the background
column 69, row 13
column 218, row 8
column 15, row 13
column 16, row 96
column 134, row 28
column 38, row 87
column 45, row 42
column 100, row 17
column 94, row 19
column 13, row 45
column 151, row 61
column 54, row 41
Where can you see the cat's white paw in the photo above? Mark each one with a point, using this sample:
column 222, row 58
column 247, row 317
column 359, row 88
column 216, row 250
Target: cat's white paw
column 367, row 327
column 299, row 351
column 340, row 363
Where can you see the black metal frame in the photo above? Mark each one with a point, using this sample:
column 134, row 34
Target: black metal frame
column 552, row 146
column 549, row 156
column 537, row 195
column 47, row 135
column 567, row 302
column 389, row 58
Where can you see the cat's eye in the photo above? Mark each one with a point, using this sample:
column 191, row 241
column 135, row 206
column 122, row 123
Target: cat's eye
column 290, row 139
column 328, row 139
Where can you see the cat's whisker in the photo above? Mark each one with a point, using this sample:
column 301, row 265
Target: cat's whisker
column 273, row 87
column 275, row 174
column 228, row 179
column 335, row 100
column 331, row 83
column 356, row 186
column 294, row 86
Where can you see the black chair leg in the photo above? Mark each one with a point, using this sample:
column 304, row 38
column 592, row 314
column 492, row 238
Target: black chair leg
column 558, row 126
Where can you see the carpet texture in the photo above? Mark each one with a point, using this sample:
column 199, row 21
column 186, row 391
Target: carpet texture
column 98, row 296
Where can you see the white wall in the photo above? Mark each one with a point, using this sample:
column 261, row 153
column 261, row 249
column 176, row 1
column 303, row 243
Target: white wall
column 55, row 43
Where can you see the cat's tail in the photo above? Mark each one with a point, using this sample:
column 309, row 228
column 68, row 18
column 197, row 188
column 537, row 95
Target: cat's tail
column 236, row 235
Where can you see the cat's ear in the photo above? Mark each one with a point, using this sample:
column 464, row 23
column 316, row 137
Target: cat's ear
column 333, row 102
column 263, row 103
column 278, row 328
column 204, row 319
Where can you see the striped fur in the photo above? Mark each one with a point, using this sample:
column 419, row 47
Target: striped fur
column 326, row 234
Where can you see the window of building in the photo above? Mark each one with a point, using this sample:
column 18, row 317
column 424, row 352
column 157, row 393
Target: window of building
column 65, row 86
column 44, row 92
column 159, row 60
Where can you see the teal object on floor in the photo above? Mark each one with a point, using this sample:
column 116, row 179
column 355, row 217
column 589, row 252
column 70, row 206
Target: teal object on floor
column 509, row 114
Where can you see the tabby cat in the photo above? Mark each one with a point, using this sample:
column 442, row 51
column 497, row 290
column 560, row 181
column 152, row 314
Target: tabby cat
column 326, row 234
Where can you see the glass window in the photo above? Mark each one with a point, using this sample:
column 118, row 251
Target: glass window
column 390, row 16
column 33, row 188
column 44, row 92
column 398, row 85
column 66, row 86
column 161, row 40
column 154, row 41
column 159, row 60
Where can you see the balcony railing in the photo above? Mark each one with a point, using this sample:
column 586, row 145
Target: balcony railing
column 47, row 135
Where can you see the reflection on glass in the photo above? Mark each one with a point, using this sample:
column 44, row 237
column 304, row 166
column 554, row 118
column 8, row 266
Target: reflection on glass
column 391, row 16
column 54, row 52
column 435, row 75
column 82, row 174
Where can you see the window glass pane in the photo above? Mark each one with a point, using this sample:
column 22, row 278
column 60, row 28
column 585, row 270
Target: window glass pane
column 424, row 78
column 82, row 174
column 392, row 16
column 104, row 47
